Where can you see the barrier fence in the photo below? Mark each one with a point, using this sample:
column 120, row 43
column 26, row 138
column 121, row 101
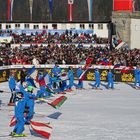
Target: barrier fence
column 89, row 75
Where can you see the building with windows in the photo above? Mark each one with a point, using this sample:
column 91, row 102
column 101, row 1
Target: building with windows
column 101, row 29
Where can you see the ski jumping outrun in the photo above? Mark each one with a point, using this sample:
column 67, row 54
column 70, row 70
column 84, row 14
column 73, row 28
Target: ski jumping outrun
column 57, row 85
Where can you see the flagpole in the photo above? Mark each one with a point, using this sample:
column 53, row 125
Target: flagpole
column 70, row 10
column 90, row 2
column 12, row 1
column 31, row 8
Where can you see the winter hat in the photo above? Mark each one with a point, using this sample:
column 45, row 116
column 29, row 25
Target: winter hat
column 30, row 88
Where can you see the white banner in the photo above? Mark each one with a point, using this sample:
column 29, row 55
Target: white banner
column 5, row 39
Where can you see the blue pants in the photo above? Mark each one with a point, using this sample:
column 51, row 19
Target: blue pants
column 137, row 80
column 97, row 83
column 80, row 84
column 19, row 127
column 63, row 86
column 110, row 83
column 42, row 92
column 30, row 114
column 71, row 84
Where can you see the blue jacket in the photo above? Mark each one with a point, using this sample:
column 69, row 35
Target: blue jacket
column 79, row 72
column 25, row 95
column 20, row 108
column 70, row 75
column 12, row 82
column 110, row 76
column 136, row 73
column 97, row 75
column 47, row 79
column 30, row 99
column 56, row 71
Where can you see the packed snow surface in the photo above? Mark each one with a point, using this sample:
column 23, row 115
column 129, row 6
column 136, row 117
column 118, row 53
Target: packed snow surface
column 86, row 115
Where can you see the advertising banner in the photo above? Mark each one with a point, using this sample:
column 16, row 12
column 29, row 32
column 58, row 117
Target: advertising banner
column 123, row 5
column 89, row 75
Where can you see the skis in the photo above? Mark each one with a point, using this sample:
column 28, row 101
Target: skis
column 95, row 88
column 136, row 87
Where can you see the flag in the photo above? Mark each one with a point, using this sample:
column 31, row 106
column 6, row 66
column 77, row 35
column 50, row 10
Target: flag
column 58, row 102
column 117, row 66
column 13, row 121
column 105, row 62
column 34, row 74
column 41, row 128
column 51, row 8
column 30, row 71
column 90, row 2
column 88, row 63
column 82, row 76
column 123, row 5
column 127, row 69
column 30, row 82
column 54, row 115
column 70, row 10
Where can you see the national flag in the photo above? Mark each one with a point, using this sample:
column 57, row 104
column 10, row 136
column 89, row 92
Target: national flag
column 116, row 66
column 13, row 122
column 48, row 89
column 127, row 69
column 41, row 128
column 58, row 102
column 54, row 115
column 82, row 76
column 34, row 74
column 30, row 71
column 30, row 82
column 105, row 62
column 88, row 63
column 70, row 10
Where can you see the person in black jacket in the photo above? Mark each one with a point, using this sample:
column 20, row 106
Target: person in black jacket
column 22, row 75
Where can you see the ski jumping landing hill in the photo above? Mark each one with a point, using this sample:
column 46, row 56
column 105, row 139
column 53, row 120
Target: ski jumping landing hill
column 87, row 114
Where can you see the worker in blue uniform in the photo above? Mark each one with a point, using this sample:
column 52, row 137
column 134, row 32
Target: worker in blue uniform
column 137, row 76
column 12, row 86
column 97, row 79
column 71, row 78
column 110, row 78
column 80, row 82
column 30, row 104
column 41, row 93
column 19, row 115
column 56, row 73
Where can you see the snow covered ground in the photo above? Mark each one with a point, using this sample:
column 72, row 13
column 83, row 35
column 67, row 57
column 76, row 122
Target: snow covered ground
column 88, row 114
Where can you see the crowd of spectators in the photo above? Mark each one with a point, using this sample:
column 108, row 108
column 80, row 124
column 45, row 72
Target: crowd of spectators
column 68, row 54
column 44, row 37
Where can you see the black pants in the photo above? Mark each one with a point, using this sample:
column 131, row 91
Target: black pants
column 13, row 94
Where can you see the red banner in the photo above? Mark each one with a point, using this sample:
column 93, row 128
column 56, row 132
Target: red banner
column 8, row 9
column 123, row 5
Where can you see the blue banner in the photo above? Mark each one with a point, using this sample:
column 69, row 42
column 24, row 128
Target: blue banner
column 51, row 7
